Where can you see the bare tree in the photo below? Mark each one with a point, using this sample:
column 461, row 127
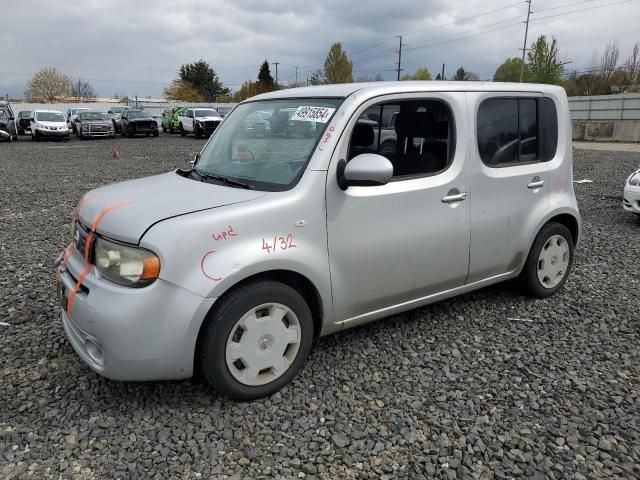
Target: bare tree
column 609, row 59
column 48, row 85
column 82, row 90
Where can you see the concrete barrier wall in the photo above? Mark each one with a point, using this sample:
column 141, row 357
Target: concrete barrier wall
column 607, row 131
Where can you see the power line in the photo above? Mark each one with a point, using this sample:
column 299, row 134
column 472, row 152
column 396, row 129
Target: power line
column 565, row 5
column 579, row 10
column 462, row 20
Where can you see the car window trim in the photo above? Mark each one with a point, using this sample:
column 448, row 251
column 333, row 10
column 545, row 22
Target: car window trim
column 401, row 97
column 515, row 96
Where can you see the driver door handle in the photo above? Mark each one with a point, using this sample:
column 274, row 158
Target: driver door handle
column 536, row 184
column 458, row 197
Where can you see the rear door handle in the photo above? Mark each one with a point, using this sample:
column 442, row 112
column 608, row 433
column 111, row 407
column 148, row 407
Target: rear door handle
column 458, row 197
column 536, row 184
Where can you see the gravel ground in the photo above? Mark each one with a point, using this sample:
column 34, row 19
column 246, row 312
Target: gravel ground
column 491, row 384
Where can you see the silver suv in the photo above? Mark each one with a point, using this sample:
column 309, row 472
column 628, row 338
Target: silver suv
column 234, row 266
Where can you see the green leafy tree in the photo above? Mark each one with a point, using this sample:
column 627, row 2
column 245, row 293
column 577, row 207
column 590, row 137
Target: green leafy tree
column 204, row 80
column 48, row 85
column 544, row 63
column 421, row 74
column 182, row 91
column 463, row 75
column 265, row 80
column 337, row 66
column 248, row 89
column 509, row 71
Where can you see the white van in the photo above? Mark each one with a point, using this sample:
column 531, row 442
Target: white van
column 49, row 124
column 317, row 225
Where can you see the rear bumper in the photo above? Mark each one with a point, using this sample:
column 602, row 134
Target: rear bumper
column 631, row 199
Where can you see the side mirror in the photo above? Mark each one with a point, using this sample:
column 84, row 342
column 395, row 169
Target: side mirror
column 12, row 118
column 110, row 112
column 365, row 170
column 195, row 159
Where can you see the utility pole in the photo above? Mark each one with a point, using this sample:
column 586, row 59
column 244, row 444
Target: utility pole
column 524, row 45
column 442, row 76
column 276, row 64
column 399, row 56
column 296, row 76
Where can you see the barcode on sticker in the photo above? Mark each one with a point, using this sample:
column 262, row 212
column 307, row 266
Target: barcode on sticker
column 313, row 114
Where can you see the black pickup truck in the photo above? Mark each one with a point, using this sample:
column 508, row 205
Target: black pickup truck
column 8, row 129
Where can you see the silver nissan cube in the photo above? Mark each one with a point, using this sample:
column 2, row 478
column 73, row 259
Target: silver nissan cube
column 313, row 210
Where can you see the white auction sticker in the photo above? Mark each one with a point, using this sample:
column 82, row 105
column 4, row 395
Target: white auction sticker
column 313, row 114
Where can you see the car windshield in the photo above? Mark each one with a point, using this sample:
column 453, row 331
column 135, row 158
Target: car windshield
column 93, row 116
column 267, row 144
column 206, row 113
column 49, row 117
column 118, row 109
column 137, row 114
column 223, row 110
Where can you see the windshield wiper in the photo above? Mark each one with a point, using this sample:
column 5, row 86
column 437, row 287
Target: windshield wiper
column 221, row 179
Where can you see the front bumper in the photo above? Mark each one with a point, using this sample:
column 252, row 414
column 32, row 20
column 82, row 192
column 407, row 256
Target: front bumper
column 52, row 133
column 131, row 334
column 140, row 130
column 91, row 134
column 631, row 199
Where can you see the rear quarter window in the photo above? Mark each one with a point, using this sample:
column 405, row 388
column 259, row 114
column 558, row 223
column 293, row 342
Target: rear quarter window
column 512, row 131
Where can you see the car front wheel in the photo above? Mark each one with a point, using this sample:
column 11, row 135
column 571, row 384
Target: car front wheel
column 549, row 261
column 255, row 340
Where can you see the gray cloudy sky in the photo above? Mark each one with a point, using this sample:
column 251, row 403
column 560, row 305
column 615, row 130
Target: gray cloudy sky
column 137, row 47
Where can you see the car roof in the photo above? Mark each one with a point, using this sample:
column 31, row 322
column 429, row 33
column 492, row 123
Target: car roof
column 47, row 111
column 343, row 90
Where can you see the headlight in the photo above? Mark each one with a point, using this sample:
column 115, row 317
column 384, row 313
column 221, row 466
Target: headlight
column 41, row 127
column 124, row 265
column 634, row 180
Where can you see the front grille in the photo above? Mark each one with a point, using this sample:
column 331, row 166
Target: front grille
column 144, row 124
column 212, row 124
column 98, row 128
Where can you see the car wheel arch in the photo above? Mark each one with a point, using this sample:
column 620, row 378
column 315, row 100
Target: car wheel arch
column 299, row 282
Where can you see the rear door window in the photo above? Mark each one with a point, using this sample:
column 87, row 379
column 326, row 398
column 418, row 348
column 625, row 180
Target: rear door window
column 517, row 131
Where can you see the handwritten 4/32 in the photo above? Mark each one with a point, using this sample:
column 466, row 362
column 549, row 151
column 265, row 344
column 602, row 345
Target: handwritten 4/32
column 281, row 243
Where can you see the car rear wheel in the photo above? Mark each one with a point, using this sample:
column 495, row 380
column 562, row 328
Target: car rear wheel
column 182, row 130
column 549, row 261
column 255, row 340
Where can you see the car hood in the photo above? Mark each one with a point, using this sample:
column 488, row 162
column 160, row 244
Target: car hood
column 128, row 209
column 141, row 119
column 94, row 122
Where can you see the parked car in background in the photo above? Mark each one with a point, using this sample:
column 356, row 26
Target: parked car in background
column 170, row 120
column 24, row 122
column 235, row 266
column 201, row 122
column 138, row 122
column 256, row 123
column 631, row 194
column 72, row 116
column 175, row 125
column 223, row 111
column 115, row 113
column 8, row 129
column 49, row 124
column 94, row 124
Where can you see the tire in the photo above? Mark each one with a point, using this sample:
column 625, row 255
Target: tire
column 542, row 277
column 156, row 133
column 182, row 131
column 74, row 128
column 164, row 128
column 20, row 132
column 36, row 137
column 222, row 329
column 197, row 133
